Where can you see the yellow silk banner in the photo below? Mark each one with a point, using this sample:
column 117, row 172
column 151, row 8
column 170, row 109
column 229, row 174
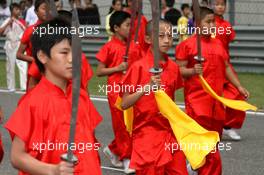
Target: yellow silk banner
column 195, row 141
column 234, row 104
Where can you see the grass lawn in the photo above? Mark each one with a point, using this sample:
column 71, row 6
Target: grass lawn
column 253, row 82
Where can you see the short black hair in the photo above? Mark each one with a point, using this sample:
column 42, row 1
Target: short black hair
column 184, row 6
column 170, row 3
column 148, row 30
column 38, row 3
column 173, row 15
column 14, row 5
column 205, row 11
column 45, row 41
column 117, row 19
column 66, row 15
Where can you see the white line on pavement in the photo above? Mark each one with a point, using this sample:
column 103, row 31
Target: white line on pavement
column 104, row 99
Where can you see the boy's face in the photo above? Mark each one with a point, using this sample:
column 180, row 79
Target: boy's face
column 219, row 7
column 42, row 12
column 165, row 37
column 124, row 28
column 59, row 65
column 16, row 11
column 208, row 24
column 186, row 11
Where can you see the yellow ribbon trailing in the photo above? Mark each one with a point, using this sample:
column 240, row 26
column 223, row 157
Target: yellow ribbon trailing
column 234, row 104
column 195, row 141
column 128, row 115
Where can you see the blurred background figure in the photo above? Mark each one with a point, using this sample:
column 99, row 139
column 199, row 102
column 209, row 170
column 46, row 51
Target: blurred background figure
column 116, row 6
column 89, row 13
column 164, row 8
column 31, row 17
column 191, row 24
column 59, row 4
column 183, row 22
column 4, row 9
column 172, row 14
column 13, row 28
column 205, row 3
column 23, row 8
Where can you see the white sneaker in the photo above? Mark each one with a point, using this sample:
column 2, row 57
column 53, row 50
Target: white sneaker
column 232, row 134
column 190, row 170
column 112, row 157
column 127, row 170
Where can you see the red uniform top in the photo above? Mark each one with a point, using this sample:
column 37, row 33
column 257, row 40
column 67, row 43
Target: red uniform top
column 141, row 31
column 26, row 37
column 112, row 53
column 26, row 41
column 46, row 122
column 213, row 71
column 150, row 129
column 86, row 72
column 228, row 35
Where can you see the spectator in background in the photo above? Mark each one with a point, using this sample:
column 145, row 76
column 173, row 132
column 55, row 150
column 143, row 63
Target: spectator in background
column 164, row 8
column 172, row 15
column 116, row 6
column 183, row 22
column 58, row 4
column 75, row 3
column 4, row 9
column 13, row 28
column 22, row 5
column 89, row 14
column 191, row 24
column 31, row 17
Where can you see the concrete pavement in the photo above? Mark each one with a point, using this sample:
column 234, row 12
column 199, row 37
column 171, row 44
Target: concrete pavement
column 245, row 157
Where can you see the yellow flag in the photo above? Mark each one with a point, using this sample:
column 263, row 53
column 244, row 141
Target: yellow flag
column 195, row 141
column 128, row 115
column 234, row 104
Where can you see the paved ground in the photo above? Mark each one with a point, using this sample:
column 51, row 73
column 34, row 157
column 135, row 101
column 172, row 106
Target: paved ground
column 245, row 157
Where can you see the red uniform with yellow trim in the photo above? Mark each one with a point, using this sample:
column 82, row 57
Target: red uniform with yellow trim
column 111, row 54
column 205, row 110
column 151, row 131
column 234, row 118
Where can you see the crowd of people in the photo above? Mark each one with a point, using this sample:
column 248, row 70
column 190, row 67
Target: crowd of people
column 43, row 113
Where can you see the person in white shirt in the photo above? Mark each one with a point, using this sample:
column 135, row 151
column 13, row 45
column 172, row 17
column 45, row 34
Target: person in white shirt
column 13, row 28
column 31, row 17
column 4, row 10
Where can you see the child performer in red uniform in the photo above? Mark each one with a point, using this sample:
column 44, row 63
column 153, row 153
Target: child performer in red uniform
column 205, row 110
column 234, row 118
column 111, row 64
column 40, row 125
column 86, row 70
column 41, row 9
column 151, row 130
